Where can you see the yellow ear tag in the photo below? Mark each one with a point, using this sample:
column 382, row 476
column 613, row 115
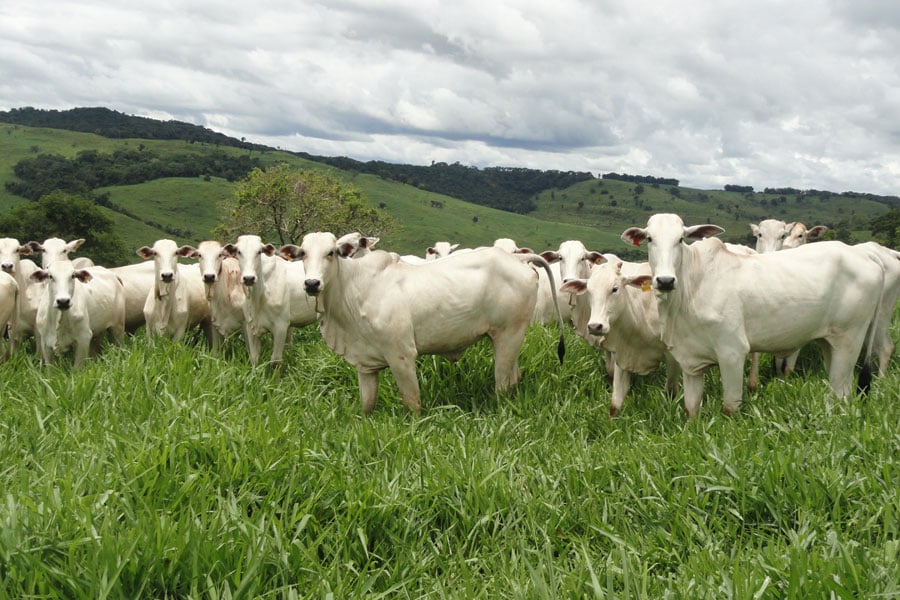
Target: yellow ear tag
column 645, row 287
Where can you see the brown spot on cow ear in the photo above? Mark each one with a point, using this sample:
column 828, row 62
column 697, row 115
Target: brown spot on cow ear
column 290, row 251
column 345, row 250
column 40, row 275
column 550, row 256
column 30, row 247
column 641, row 281
column 596, row 258
column 229, row 250
column 146, row 252
column 268, row 249
column 524, row 251
column 185, row 251
column 82, row 276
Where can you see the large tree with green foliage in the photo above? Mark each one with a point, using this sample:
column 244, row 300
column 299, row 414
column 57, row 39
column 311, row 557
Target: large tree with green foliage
column 886, row 228
column 67, row 216
column 284, row 204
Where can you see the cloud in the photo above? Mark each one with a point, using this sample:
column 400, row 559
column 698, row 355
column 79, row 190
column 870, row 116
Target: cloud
column 804, row 94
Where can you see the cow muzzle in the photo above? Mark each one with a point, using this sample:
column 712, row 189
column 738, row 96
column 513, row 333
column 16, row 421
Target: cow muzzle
column 597, row 329
column 167, row 277
column 63, row 303
column 665, row 283
column 249, row 279
column 8, row 268
column 312, row 286
column 209, row 278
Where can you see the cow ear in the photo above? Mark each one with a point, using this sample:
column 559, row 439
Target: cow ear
column 754, row 229
column 595, row 258
column 291, row 252
column 430, row 250
column 229, row 250
column 40, row 275
column 699, row 232
column 525, row 250
column 368, row 242
column 634, row 236
column 146, row 252
column 268, row 249
column 30, row 247
column 346, row 249
column 74, row 245
column 574, row 286
column 82, row 276
column 185, row 251
column 454, row 247
column 816, row 232
column 640, row 281
column 550, row 256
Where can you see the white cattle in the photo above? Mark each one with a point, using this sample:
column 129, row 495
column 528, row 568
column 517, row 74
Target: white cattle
column 549, row 298
column 355, row 244
column 380, row 313
column 21, row 269
column 58, row 249
column 716, row 306
column 77, row 308
column 440, row 250
column 177, row 300
column 139, row 280
column 624, row 318
column 9, row 292
column 275, row 299
column 890, row 294
column 221, row 274
column 773, row 234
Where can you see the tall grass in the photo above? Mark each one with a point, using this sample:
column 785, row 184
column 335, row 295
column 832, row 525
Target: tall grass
column 164, row 471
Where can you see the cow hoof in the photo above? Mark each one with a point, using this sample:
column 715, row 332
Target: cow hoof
column 613, row 412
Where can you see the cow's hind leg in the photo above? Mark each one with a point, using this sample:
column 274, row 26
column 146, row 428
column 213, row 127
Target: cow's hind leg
column 693, row 393
column 507, row 346
column 404, row 370
column 368, row 390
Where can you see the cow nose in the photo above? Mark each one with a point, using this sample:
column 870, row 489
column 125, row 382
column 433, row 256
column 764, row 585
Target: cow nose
column 209, row 277
column 312, row 286
column 167, row 277
column 596, row 328
column 63, row 303
column 8, row 267
column 665, row 284
column 249, row 279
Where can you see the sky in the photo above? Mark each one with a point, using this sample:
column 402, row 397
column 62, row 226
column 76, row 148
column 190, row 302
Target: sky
column 766, row 93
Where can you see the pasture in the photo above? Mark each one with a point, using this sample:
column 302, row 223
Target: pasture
column 164, row 471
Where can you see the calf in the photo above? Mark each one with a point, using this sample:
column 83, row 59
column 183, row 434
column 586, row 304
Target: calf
column 221, row 275
column 275, row 298
column 177, row 301
column 77, row 308
column 625, row 319
column 380, row 313
column 716, row 306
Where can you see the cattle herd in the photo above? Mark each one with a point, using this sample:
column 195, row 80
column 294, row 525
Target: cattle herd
column 691, row 306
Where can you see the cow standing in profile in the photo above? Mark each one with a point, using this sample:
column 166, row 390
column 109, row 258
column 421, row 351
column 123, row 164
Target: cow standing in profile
column 380, row 313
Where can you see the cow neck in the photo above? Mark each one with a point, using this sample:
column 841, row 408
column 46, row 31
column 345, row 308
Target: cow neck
column 670, row 305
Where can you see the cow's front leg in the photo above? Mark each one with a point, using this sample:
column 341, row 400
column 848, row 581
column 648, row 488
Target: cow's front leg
column 82, row 346
column 693, row 393
column 621, row 384
column 404, row 369
column 732, row 373
column 368, row 389
column 279, row 340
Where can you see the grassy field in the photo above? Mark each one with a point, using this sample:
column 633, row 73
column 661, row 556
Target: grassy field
column 163, row 471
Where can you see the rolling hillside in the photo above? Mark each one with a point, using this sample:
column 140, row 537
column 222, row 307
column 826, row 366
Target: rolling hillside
column 594, row 211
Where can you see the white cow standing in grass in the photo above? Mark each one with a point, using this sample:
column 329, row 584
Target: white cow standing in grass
column 380, row 313
column 139, row 280
column 624, row 319
column 716, row 306
column 29, row 291
column 275, row 298
column 221, row 276
column 9, row 292
column 54, row 248
column 77, row 308
column 177, row 300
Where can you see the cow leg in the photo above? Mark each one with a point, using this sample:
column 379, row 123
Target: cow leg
column 883, row 348
column 673, row 372
column 732, row 373
column 609, row 360
column 840, row 368
column 404, row 369
column 507, row 347
column 254, row 345
column 693, row 393
column 621, row 385
column 753, row 376
column 790, row 363
column 279, row 339
column 368, row 389
column 81, row 350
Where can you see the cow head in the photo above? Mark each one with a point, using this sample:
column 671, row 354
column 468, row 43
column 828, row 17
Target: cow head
column 770, row 234
column 209, row 255
column 54, row 249
column 318, row 251
column 800, row 235
column 665, row 235
column 440, row 250
column 605, row 288
column 355, row 245
column 10, row 249
column 165, row 255
column 249, row 250
column 61, row 277
column 575, row 261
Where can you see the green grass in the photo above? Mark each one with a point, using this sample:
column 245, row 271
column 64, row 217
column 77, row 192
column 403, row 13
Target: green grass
column 161, row 470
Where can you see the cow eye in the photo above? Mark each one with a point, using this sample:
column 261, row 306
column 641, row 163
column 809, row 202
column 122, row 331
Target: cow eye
column 681, row 241
column 331, row 253
column 615, row 289
column 649, row 239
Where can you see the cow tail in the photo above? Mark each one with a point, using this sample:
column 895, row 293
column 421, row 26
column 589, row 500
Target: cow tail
column 537, row 259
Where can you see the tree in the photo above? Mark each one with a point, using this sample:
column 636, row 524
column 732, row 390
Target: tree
column 282, row 204
column 886, row 228
column 67, row 216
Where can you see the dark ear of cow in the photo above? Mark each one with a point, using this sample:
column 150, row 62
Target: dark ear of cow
column 146, row 252
column 32, row 247
column 699, row 232
column 595, row 258
column 525, row 250
column 76, row 244
column 40, row 275
column 430, row 250
column 186, row 251
column 229, row 250
column 634, row 236
column 574, row 286
column 640, row 281
column 368, row 242
column 268, row 249
column 346, row 249
column 816, row 232
column 290, row 251
column 551, row 256
column 82, row 276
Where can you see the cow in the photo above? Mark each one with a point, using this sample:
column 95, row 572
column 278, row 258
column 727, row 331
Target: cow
column 890, row 262
column 139, row 280
column 440, row 250
column 773, row 234
column 275, row 298
column 221, row 276
column 29, row 291
column 624, row 318
column 77, row 307
column 177, row 300
column 380, row 313
column 9, row 297
column 716, row 306
column 355, row 244
column 57, row 249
